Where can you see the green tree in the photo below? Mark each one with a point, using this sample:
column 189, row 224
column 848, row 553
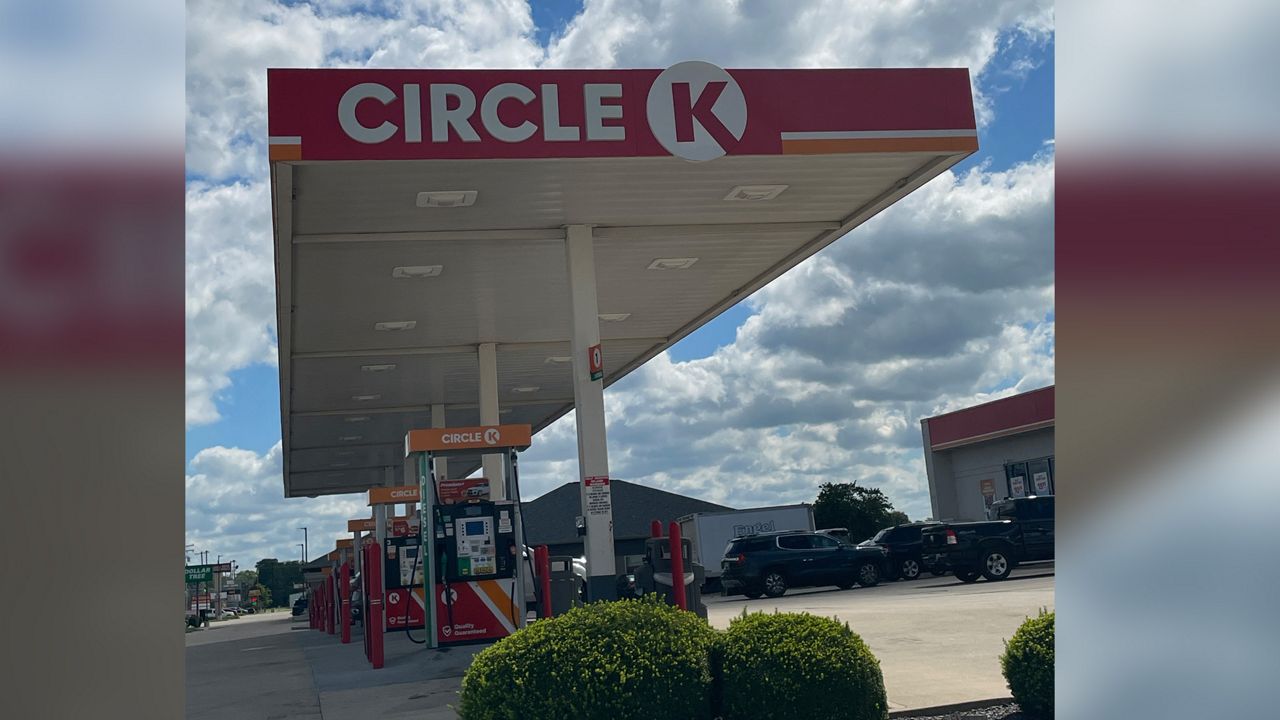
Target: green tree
column 863, row 510
column 897, row 517
column 264, row 596
column 246, row 579
column 279, row 578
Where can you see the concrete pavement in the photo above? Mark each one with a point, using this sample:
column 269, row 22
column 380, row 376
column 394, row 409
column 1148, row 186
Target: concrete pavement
column 938, row 641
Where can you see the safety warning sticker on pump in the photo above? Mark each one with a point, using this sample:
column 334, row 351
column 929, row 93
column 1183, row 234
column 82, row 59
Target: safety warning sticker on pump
column 599, row 501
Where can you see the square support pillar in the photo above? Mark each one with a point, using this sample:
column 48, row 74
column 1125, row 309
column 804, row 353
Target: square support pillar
column 588, row 398
column 487, row 355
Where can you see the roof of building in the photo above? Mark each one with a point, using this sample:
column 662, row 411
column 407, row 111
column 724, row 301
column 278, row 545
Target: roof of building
column 1024, row 412
column 549, row 519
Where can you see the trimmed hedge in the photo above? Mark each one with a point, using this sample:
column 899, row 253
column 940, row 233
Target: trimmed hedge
column 1027, row 664
column 640, row 659
column 789, row 665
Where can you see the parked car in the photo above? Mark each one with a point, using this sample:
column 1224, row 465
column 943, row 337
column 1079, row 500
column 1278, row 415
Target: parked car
column 770, row 563
column 1021, row 532
column 903, row 544
column 841, row 534
column 299, row 606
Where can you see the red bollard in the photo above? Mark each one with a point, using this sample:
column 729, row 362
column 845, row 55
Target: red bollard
column 344, row 588
column 364, row 593
column 329, row 606
column 677, row 567
column 655, row 529
column 542, row 556
column 374, row 624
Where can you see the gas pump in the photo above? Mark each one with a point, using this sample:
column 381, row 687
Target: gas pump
column 474, row 570
column 403, row 573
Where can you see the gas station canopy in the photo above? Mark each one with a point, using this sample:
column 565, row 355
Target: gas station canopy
column 420, row 214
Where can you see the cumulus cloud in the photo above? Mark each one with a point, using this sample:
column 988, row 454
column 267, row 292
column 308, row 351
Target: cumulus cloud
column 230, row 289
column 235, row 508
column 819, row 33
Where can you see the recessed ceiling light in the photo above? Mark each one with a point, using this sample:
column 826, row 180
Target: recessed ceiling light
column 504, row 411
column 755, row 193
column 672, row 263
column 416, row 271
column 559, row 359
column 614, row 317
column 447, row 198
column 525, row 389
column 342, row 464
column 357, row 418
column 393, row 325
column 351, row 438
column 384, row 367
column 365, row 398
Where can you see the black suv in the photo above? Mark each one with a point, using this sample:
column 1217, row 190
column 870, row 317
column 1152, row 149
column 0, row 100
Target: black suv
column 769, row 563
column 903, row 544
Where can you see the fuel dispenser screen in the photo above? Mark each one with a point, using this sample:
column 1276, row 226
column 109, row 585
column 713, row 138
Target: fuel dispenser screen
column 478, row 540
column 476, row 548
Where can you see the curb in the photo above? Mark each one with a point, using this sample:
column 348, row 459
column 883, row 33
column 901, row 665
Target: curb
column 952, row 708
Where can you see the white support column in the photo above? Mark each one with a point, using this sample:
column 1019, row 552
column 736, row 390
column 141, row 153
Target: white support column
column 588, row 397
column 437, row 421
column 487, row 354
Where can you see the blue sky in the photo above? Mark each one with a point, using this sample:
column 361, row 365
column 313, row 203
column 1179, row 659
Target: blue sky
column 227, row 228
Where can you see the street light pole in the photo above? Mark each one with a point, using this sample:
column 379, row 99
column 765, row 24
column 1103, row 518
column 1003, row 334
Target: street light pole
column 304, row 553
column 304, row 545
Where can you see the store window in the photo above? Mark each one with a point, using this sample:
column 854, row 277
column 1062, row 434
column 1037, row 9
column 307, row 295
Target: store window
column 1032, row 477
column 1016, row 479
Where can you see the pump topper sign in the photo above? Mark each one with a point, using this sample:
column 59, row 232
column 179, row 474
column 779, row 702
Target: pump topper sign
column 692, row 110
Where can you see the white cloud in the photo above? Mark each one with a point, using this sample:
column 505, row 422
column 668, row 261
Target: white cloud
column 236, row 507
column 819, row 33
column 230, row 289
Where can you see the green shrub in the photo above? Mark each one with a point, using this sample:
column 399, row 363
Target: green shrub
column 619, row 660
column 789, row 665
column 1027, row 664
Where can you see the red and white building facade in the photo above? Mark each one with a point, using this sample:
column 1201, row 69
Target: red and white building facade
column 989, row 452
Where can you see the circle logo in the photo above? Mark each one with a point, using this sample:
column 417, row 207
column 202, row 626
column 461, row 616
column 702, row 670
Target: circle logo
column 696, row 110
column 393, row 598
column 491, row 436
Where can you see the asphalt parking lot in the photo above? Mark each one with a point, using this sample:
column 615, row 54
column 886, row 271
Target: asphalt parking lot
column 938, row 641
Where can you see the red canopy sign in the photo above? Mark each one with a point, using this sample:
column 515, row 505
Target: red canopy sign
column 693, row 110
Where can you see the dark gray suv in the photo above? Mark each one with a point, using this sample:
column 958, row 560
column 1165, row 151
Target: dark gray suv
column 770, row 563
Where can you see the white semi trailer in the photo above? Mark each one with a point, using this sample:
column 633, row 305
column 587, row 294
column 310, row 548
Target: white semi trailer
column 709, row 533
